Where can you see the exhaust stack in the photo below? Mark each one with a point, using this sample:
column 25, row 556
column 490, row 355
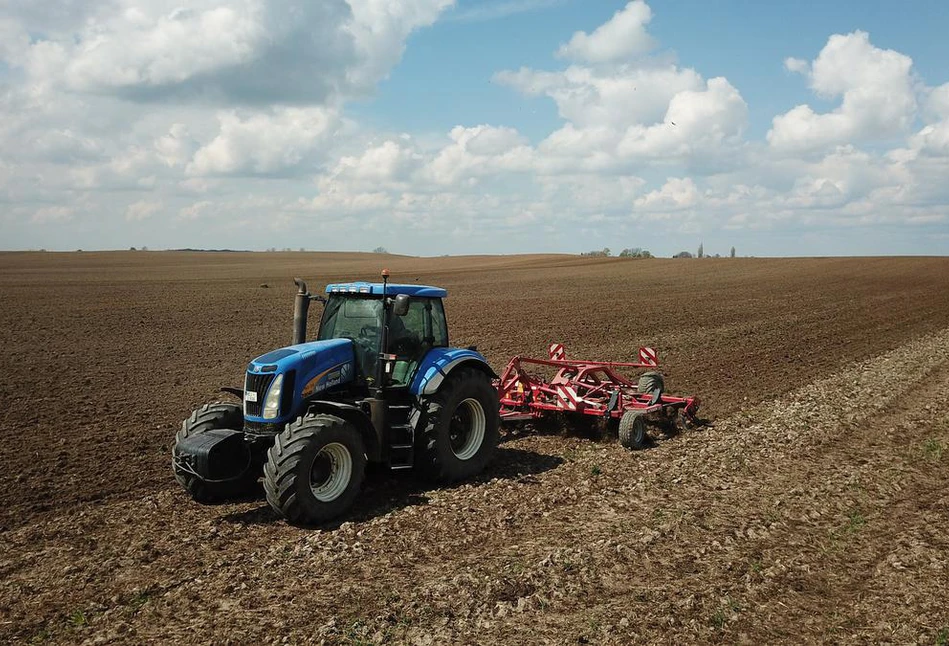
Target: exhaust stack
column 301, row 306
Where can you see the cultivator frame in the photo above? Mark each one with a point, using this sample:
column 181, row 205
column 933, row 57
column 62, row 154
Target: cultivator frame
column 587, row 388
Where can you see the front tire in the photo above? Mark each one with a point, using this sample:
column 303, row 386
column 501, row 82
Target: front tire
column 315, row 469
column 460, row 427
column 210, row 417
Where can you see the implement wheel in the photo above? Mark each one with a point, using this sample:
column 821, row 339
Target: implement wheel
column 460, row 427
column 315, row 469
column 236, row 479
column 632, row 430
column 650, row 381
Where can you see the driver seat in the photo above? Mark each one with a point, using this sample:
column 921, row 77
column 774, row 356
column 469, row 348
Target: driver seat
column 408, row 355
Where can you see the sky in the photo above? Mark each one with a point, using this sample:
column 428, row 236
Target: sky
column 433, row 127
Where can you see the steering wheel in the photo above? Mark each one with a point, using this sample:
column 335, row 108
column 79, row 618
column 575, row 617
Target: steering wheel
column 405, row 345
column 361, row 341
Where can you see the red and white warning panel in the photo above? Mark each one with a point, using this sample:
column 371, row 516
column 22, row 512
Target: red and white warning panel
column 648, row 356
column 556, row 352
column 568, row 397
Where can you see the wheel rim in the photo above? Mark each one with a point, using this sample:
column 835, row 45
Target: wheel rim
column 331, row 472
column 640, row 430
column 466, row 430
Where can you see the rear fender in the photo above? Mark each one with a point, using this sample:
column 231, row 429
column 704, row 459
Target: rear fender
column 441, row 362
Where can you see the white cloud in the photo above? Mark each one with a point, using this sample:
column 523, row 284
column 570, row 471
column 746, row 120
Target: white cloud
column 620, row 113
column 621, row 38
column 876, row 87
column 677, row 193
column 390, row 161
column 142, row 210
column 243, row 51
column 138, row 47
column 264, row 143
column 937, row 103
column 477, row 151
column 176, row 147
column 933, row 139
column 195, row 210
column 696, row 120
column 797, row 65
column 379, row 29
column 610, row 96
column 49, row 214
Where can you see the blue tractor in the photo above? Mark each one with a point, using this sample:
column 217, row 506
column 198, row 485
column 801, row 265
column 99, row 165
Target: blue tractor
column 379, row 384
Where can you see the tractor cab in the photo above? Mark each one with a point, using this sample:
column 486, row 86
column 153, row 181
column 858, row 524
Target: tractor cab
column 415, row 319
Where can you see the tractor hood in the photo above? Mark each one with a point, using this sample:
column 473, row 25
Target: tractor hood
column 291, row 356
column 307, row 369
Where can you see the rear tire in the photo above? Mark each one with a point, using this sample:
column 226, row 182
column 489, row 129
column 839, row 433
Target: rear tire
column 460, row 427
column 315, row 469
column 208, row 418
column 632, row 430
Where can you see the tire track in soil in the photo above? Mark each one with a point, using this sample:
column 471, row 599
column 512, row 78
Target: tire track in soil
column 796, row 520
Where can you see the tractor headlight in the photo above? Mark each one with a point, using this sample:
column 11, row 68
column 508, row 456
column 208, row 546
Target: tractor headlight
column 272, row 403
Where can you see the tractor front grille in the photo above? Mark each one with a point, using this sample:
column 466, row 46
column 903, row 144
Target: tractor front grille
column 257, row 383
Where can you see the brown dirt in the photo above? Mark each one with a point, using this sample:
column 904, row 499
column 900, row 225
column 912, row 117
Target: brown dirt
column 807, row 513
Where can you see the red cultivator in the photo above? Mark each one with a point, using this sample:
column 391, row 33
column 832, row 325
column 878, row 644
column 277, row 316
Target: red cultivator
column 594, row 388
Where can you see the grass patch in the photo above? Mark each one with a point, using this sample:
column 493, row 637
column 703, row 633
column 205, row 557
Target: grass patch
column 595, row 470
column 933, row 449
column 720, row 617
column 139, row 599
column 855, row 522
column 78, row 619
column 942, row 638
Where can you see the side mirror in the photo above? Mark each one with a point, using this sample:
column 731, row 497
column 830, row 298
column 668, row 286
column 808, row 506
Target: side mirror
column 401, row 305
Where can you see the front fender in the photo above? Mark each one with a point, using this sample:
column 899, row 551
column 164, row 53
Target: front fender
column 355, row 416
column 438, row 364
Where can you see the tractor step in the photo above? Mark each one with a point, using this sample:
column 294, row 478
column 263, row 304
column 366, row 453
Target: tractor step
column 401, row 446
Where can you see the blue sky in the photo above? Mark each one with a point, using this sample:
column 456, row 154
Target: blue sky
column 451, row 63
column 500, row 126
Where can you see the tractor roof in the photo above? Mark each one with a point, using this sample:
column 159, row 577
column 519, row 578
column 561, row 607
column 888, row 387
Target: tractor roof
column 392, row 289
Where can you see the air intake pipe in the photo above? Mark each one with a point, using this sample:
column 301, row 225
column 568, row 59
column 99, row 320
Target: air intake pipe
column 301, row 306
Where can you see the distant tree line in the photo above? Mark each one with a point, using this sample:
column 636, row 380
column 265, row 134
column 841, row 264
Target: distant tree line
column 633, row 252
column 604, row 253
column 639, row 252
column 701, row 253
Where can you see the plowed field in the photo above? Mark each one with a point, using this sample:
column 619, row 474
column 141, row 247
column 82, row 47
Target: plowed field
column 813, row 508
